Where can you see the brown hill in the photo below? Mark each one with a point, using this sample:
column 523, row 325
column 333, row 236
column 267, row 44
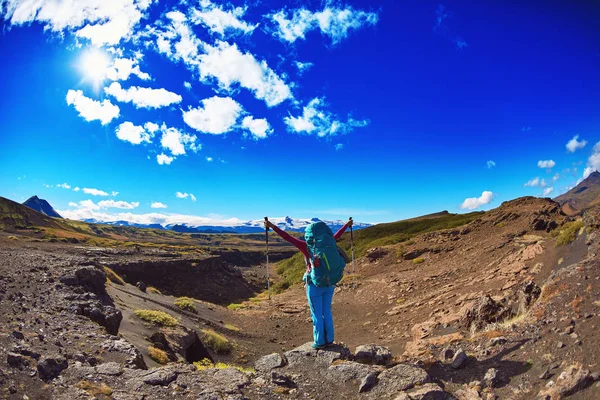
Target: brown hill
column 582, row 196
column 14, row 215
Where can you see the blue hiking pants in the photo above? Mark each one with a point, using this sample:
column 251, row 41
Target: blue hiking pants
column 319, row 300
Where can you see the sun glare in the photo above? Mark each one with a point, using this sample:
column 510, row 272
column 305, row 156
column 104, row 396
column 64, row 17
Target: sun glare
column 94, row 64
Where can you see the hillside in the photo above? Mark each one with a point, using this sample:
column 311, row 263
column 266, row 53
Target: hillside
column 496, row 305
column 582, row 196
column 19, row 219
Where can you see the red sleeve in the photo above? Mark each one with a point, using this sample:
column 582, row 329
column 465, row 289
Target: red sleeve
column 300, row 244
column 339, row 233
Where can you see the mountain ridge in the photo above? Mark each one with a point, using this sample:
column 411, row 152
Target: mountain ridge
column 582, row 196
column 42, row 206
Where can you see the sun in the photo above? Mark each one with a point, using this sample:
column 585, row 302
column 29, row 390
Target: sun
column 94, row 64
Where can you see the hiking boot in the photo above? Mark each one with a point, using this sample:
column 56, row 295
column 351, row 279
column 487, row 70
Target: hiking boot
column 318, row 346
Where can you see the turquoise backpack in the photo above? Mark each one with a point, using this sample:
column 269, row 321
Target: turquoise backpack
column 326, row 262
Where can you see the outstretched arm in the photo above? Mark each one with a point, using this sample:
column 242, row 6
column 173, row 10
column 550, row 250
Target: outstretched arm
column 339, row 233
column 300, row 244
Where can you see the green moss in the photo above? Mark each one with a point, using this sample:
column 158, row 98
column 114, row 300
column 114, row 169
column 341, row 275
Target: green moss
column 568, row 233
column 216, row 341
column 207, row 364
column 157, row 317
column 113, row 276
column 158, row 355
column 232, row 328
column 236, row 306
column 418, row 260
column 186, row 303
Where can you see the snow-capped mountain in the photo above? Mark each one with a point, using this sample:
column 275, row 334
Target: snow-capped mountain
column 253, row 226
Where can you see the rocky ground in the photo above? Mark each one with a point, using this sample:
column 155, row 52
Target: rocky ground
column 491, row 310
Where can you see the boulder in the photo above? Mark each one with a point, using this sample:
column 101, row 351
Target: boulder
column 135, row 359
column 399, row 378
column 160, row 377
column 110, row 368
column 16, row 360
column 306, row 353
column 107, row 316
column 368, row 382
column 429, row 391
column 50, row 367
column 372, row 354
column 459, row 359
column 491, row 377
column 349, row 370
column 268, row 362
column 282, row 380
column 573, row 379
column 141, row 285
column 90, row 277
column 484, row 311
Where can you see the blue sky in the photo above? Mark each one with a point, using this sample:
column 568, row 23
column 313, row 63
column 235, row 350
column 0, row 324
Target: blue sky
column 381, row 110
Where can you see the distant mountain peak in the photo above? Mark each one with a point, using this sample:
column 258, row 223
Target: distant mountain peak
column 42, row 206
column 584, row 195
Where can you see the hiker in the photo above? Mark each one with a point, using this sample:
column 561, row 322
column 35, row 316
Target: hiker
column 318, row 278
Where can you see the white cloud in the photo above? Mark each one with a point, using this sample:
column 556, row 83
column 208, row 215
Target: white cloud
column 80, row 213
column 217, row 115
column 92, row 110
column 536, row 182
column 143, row 97
column 114, row 193
column 259, row 127
column 151, row 127
column 546, row 163
column 158, row 204
column 574, row 144
column 228, row 65
column 548, row 190
column 118, row 204
column 556, row 177
column 122, row 68
column 76, row 189
column 220, row 21
column 491, row 164
column 192, row 197
column 187, row 85
column 133, row 134
column 164, row 159
column 303, row 67
column 176, row 141
column 339, row 146
column 100, row 21
column 333, row 22
column 95, row 192
column 209, row 159
column 181, row 195
column 593, row 163
column 473, row 203
column 64, row 186
column 315, row 120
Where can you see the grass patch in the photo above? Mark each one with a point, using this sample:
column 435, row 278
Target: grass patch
column 216, row 341
column 232, row 328
column 207, row 364
column 113, row 276
column 185, row 303
column 152, row 289
column 418, row 260
column 568, row 233
column 236, row 306
column 350, row 278
column 158, row 355
column 157, row 317
column 94, row 389
column 290, row 271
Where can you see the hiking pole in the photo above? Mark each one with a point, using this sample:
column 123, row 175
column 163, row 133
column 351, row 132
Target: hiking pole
column 352, row 245
column 267, row 240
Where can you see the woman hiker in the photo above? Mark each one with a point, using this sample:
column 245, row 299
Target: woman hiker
column 319, row 297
